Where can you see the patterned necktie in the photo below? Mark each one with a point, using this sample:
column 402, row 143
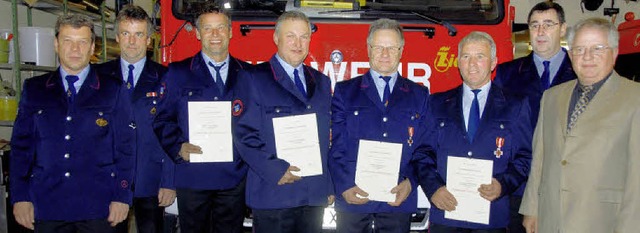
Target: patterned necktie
column 387, row 90
column 581, row 105
column 130, row 83
column 71, row 91
column 544, row 81
column 298, row 81
column 219, row 81
column 474, row 116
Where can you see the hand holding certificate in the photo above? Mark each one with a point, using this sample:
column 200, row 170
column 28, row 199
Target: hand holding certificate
column 464, row 177
column 210, row 128
column 297, row 143
column 378, row 168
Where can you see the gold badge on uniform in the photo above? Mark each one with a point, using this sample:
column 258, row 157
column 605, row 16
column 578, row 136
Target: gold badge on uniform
column 101, row 122
column 153, row 111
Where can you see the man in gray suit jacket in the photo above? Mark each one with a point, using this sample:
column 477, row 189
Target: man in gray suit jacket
column 585, row 175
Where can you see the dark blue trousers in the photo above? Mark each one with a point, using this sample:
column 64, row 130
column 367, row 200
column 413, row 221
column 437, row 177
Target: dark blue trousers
column 86, row 226
column 515, row 222
column 436, row 228
column 373, row 223
column 149, row 215
column 307, row 219
column 211, row 211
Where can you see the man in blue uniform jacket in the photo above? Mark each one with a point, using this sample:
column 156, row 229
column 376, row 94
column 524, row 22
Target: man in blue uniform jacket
column 528, row 75
column 476, row 120
column 379, row 106
column 153, row 185
column 72, row 161
column 210, row 195
column 547, row 66
column 281, row 201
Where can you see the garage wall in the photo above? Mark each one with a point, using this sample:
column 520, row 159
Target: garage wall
column 573, row 11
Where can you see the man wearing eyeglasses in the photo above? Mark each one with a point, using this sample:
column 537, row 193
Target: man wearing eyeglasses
column 153, row 186
column 383, row 107
column 584, row 176
column 547, row 66
column 210, row 194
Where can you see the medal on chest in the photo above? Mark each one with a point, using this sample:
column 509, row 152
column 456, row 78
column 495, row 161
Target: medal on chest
column 499, row 144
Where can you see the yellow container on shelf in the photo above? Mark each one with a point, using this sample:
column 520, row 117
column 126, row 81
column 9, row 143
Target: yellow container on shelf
column 8, row 108
column 4, row 51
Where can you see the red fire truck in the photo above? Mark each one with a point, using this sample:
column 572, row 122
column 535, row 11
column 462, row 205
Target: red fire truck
column 433, row 29
column 629, row 48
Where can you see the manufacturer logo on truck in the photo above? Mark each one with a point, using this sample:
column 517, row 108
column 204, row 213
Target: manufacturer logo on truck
column 445, row 60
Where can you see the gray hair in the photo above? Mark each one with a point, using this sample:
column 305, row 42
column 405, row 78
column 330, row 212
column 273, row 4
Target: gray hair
column 76, row 21
column 382, row 24
column 596, row 23
column 134, row 13
column 292, row 15
column 478, row 36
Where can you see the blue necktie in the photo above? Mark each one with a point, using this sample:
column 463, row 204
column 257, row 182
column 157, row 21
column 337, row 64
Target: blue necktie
column 474, row 116
column 298, row 81
column 130, row 83
column 544, row 81
column 71, row 91
column 387, row 90
column 219, row 81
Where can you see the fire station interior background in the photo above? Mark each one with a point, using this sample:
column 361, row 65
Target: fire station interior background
column 575, row 10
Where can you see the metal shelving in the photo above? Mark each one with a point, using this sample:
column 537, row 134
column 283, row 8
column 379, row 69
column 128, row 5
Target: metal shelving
column 102, row 20
column 25, row 67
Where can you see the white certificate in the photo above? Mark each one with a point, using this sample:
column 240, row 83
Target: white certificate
column 378, row 168
column 210, row 128
column 464, row 177
column 297, row 143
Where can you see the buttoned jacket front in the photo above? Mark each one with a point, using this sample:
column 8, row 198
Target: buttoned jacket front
column 72, row 161
column 188, row 81
column 587, row 180
column 504, row 126
column 154, row 169
column 270, row 93
column 359, row 114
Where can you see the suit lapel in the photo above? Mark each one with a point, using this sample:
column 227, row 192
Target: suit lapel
column 146, row 82
column 369, row 88
column 454, row 110
column 565, row 73
column 201, row 71
column 599, row 103
column 494, row 106
column 89, row 87
column 530, row 73
column 400, row 92
column 563, row 101
column 310, row 80
column 232, row 75
column 281, row 76
column 55, row 88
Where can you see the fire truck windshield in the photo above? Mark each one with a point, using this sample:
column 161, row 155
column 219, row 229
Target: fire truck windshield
column 472, row 12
